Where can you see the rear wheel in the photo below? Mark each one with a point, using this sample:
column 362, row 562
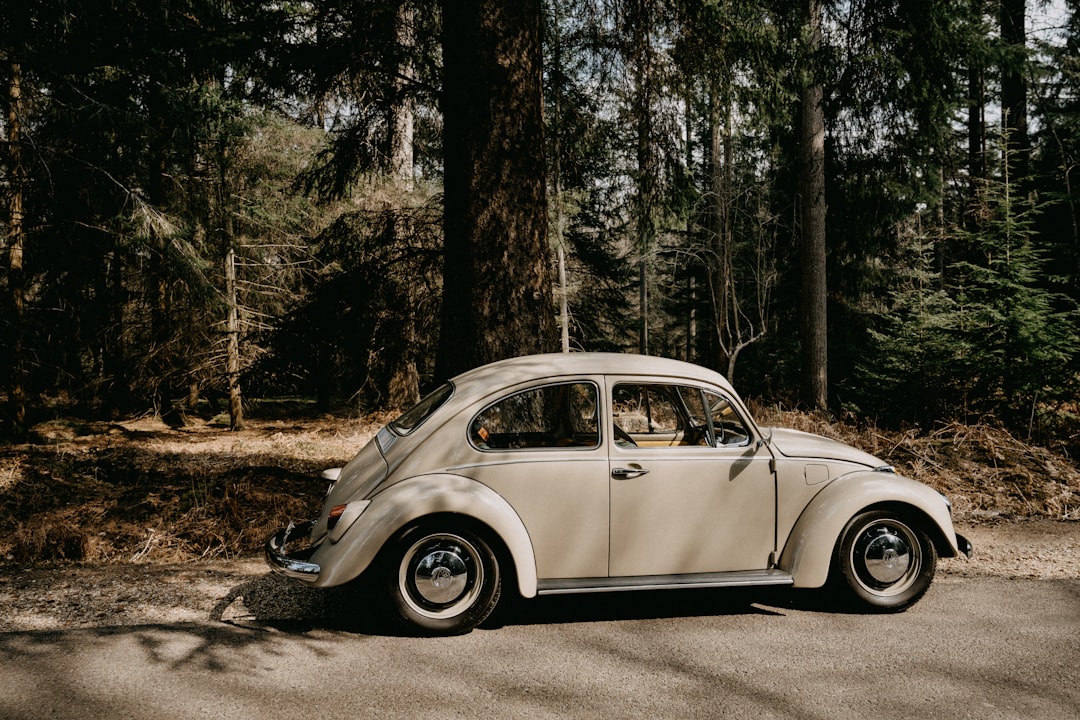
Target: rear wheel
column 885, row 562
column 444, row 581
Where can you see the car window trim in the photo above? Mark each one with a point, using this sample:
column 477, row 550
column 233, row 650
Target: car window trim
column 598, row 395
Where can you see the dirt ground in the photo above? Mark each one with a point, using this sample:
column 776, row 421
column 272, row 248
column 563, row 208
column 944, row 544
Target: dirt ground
column 64, row 595
column 135, row 522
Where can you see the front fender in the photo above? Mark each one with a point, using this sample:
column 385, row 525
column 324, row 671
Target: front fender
column 808, row 552
column 406, row 501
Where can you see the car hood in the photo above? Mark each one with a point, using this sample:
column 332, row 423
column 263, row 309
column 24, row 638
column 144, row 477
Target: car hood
column 798, row 444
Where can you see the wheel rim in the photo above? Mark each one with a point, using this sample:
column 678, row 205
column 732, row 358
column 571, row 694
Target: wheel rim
column 886, row 557
column 441, row 576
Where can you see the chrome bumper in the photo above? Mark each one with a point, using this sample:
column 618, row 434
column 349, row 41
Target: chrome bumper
column 964, row 545
column 294, row 566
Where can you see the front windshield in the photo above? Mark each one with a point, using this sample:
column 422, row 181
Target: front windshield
column 421, row 411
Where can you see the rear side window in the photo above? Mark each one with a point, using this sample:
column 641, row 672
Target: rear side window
column 553, row 416
column 421, row 411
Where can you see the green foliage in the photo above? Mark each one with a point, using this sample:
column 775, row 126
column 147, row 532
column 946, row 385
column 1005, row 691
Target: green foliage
column 990, row 339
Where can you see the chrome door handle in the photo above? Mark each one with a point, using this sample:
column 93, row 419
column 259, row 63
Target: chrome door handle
column 628, row 473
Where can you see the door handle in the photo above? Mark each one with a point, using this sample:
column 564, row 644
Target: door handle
column 628, row 473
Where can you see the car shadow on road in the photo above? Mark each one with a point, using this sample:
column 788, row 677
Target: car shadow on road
column 631, row 605
column 292, row 607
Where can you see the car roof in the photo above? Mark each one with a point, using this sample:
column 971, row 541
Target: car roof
column 505, row 373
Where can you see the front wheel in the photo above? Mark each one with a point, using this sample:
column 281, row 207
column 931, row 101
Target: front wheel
column 445, row 582
column 884, row 561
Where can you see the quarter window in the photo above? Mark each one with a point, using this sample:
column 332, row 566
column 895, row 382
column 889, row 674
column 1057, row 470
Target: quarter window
column 553, row 416
column 727, row 426
column 421, row 411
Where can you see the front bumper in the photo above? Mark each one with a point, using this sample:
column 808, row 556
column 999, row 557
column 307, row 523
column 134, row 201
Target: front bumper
column 964, row 545
column 296, row 565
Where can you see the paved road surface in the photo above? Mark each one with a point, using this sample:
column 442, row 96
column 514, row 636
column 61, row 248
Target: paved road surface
column 973, row 648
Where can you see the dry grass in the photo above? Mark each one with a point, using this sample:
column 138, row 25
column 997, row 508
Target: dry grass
column 140, row 491
column 985, row 471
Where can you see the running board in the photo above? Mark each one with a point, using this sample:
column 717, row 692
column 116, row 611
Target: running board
column 742, row 578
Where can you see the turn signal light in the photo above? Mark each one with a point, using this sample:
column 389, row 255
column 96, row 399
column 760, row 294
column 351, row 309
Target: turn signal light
column 335, row 515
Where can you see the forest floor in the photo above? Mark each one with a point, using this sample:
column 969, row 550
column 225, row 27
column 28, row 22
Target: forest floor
column 86, row 508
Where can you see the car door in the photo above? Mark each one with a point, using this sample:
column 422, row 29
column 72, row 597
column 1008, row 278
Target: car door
column 691, row 491
column 540, row 449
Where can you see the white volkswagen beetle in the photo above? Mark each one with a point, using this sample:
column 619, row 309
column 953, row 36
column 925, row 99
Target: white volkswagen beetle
column 591, row 472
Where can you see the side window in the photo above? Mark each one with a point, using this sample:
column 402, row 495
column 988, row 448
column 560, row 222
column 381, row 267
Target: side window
column 552, row 416
column 727, row 425
column 658, row 415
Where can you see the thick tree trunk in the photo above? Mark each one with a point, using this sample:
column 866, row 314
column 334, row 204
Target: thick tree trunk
column 403, row 386
column 16, row 245
column 401, row 110
column 1014, row 85
column 813, row 299
column 497, row 277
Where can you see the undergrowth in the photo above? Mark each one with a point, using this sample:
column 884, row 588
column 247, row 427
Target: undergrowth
column 140, row 491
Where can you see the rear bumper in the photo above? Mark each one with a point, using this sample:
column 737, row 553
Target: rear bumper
column 964, row 545
column 296, row 565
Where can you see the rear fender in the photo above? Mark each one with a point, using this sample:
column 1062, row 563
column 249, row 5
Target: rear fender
column 808, row 552
column 409, row 500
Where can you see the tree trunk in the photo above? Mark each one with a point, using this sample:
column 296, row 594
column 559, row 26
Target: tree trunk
column 813, row 299
column 641, row 17
column 232, row 329
column 16, row 246
column 690, row 349
column 497, row 271
column 976, row 126
column 559, row 222
column 403, row 385
column 401, row 110
column 1014, row 85
column 720, row 160
column 976, row 137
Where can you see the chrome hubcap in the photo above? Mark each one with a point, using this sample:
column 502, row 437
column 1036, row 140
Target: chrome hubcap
column 887, row 557
column 441, row 575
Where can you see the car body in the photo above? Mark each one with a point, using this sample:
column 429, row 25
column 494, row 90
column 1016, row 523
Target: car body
column 590, row 472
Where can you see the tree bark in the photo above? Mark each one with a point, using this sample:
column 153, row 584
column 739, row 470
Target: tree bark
column 813, row 299
column 497, row 278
